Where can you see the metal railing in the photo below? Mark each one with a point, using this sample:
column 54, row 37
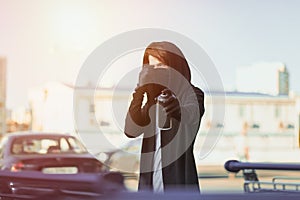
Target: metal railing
column 252, row 184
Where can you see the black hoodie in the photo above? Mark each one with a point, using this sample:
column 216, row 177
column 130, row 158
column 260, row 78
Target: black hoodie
column 179, row 169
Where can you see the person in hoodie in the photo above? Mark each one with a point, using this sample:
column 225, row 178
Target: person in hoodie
column 168, row 164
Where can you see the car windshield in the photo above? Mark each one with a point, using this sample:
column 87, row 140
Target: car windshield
column 46, row 145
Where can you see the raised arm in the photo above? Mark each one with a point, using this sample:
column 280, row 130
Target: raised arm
column 137, row 116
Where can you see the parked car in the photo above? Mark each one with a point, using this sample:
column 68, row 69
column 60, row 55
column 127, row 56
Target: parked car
column 50, row 153
column 125, row 159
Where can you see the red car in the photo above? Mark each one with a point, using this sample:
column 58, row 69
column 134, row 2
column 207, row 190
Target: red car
column 46, row 152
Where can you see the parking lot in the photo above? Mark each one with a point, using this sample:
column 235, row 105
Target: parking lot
column 207, row 185
column 215, row 179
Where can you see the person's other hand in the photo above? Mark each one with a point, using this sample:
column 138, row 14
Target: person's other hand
column 140, row 90
column 172, row 107
column 147, row 80
column 145, row 76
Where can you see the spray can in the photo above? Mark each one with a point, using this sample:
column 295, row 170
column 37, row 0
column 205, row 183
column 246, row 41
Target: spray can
column 163, row 121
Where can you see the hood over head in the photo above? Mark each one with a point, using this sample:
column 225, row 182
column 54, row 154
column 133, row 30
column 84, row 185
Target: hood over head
column 170, row 55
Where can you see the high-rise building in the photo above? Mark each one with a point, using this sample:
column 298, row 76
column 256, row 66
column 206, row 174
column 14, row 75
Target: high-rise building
column 265, row 77
column 283, row 81
column 2, row 95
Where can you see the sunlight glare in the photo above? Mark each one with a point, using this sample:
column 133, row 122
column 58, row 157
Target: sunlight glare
column 75, row 28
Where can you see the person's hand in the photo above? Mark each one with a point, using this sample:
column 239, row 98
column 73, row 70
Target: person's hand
column 147, row 80
column 140, row 90
column 145, row 76
column 172, row 107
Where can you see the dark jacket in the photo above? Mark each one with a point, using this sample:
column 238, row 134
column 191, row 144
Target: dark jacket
column 179, row 169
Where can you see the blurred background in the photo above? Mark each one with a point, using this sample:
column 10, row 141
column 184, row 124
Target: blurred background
column 253, row 44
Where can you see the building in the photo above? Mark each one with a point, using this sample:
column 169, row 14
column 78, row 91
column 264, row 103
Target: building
column 261, row 113
column 265, row 77
column 271, row 121
column 51, row 108
column 283, row 81
column 59, row 107
column 2, row 95
column 18, row 119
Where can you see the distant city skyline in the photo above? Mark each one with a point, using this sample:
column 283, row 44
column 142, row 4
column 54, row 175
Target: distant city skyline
column 49, row 40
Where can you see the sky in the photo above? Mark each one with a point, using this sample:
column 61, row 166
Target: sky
column 49, row 40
